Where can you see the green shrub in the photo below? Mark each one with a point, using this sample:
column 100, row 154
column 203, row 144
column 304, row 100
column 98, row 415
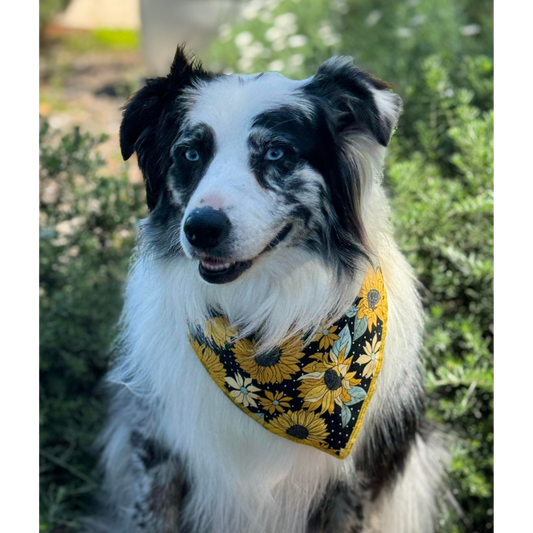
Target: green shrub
column 87, row 231
column 443, row 209
column 48, row 9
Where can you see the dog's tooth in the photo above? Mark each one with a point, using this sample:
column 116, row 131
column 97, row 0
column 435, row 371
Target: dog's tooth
column 215, row 266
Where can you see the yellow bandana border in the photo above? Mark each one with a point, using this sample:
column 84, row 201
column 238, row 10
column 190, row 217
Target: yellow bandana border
column 370, row 393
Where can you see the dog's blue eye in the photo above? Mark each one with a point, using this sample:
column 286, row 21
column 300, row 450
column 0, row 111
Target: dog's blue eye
column 192, row 155
column 274, row 154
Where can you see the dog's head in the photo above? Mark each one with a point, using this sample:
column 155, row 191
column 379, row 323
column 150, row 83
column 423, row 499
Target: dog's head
column 239, row 166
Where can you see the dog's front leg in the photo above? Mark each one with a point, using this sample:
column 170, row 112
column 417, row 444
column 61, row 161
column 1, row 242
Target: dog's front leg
column 144, row 487
column 161, row 488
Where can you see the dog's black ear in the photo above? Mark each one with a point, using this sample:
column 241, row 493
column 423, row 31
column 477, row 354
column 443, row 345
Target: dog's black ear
column 143, row 110
column 145, row 115
column 360, row 102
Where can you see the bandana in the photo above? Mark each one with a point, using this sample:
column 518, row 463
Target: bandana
column 312, row 393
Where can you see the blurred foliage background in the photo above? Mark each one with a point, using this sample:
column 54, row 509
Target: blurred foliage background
column 48, row 9
column 437, row 54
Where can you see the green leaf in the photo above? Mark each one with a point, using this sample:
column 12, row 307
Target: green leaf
column 360, row 327
column 345, row 339
column 358, row 394
column 346, row 415
column 352, row 311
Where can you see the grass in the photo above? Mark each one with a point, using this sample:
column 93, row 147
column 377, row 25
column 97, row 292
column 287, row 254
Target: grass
column 102, row 40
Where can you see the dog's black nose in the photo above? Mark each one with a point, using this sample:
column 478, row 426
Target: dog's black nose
column 206, row 227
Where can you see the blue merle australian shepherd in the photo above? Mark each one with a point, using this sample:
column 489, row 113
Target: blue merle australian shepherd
column 266, row 205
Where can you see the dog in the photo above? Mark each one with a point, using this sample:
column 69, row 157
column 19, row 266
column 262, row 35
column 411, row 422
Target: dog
column 266, row 203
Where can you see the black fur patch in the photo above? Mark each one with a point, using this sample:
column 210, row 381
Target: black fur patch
column 289, row 129
column 185, row 174
column 341, row 510
column 383, row 458
column 314, row 140
column 150, row 452
column 151, row 122
column 347, row 90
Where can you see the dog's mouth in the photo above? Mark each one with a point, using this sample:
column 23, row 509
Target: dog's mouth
column 219, row 270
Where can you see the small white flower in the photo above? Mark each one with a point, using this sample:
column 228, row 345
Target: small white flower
column 251, row 10
column 69, row 227
column 244, row 391
column 266, row 17
column 325, row 31
column 373, row 17
column 296, row 60
column 285, row 21
column 341, row 6
column 273, row 34
column 279, row 45
column 471, row 29
column 333, row 40
column 277, row 65
column 252, row 51
column 245, row 64
column 329, row 38
column 289, row 30
column 417, row 20
column 404, row 33
column 296, row 41
column 224, row 32
column 244, row 39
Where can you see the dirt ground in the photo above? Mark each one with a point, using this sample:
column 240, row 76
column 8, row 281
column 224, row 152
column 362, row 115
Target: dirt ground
column 87, row 89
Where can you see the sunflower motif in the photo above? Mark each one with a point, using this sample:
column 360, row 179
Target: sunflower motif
column 210, row 361
column 328, row 382
column 371, row 357
column 244, row 391
column 326, row 338
column 220, row 331
column 373, row 303
column 302, row 425
column 275, row 402
column 273, row 366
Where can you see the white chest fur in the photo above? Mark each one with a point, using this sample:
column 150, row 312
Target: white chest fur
column 244, row 478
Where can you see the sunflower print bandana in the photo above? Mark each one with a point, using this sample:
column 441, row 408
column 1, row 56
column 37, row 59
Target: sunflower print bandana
column 313, row 393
